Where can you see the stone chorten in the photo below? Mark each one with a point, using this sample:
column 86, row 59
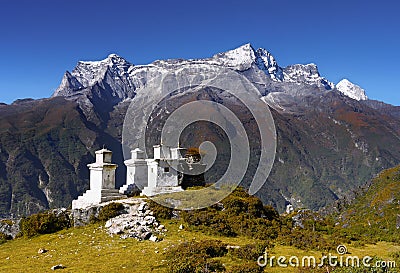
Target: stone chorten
column 102, row 182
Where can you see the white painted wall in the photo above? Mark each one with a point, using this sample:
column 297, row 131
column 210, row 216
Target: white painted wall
column 137, row 173
column 96, row 177
column 152, row 173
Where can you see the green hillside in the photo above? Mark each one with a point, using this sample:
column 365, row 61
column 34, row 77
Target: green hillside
column 375, row 213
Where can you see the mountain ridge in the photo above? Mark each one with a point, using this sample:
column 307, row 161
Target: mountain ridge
column 88, row 73
column 327, row 142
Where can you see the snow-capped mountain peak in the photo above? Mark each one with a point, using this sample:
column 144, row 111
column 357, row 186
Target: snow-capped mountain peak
column 111, row 59
column 240, row 58
column 351, row 90
column 88, row 73
column 244, row 57
column 114, row 56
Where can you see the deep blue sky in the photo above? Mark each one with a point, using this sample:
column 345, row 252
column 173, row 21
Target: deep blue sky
column 39, row 39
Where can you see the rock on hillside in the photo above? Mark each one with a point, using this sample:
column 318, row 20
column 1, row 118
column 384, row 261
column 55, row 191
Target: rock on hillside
column 135, row 220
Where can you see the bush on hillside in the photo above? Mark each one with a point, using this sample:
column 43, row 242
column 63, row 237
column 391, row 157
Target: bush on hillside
column 207, row 248
column 4, row 238
column 237, row 214
column 308, row 240
column 250, row 252
column 247, row 267
column 196, row 256
column 108, row 211
column 195, row 264
column 160, row 211
column 43, row 223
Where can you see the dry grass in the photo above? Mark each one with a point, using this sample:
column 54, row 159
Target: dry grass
column 91, row 249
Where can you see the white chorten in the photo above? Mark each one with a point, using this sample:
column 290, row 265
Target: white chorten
column 102, row 182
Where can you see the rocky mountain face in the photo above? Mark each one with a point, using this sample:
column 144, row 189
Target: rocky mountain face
column 330, row 138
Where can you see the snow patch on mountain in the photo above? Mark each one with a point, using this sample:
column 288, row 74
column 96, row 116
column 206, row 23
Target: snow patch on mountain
column 351, row 90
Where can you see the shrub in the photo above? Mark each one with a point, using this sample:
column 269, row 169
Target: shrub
column 240, row 202
column 4, row 238
column 196, row 256
column 43, row 223
column 209, row 221
column 257, row 228
column 109, row 211
column 250, row 252
column 207, row 248
column 271, row 213
column 160, row 211
column 237, row 214
column 195, row 264
column 306, row 240
column 395, row 255
column 248, row 267
column 211, row 248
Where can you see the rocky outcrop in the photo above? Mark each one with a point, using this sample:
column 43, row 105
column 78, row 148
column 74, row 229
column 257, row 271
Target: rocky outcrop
column 9, row 228
column 135, row 221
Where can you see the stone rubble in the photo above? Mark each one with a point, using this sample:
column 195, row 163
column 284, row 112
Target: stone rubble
column 138, row 223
